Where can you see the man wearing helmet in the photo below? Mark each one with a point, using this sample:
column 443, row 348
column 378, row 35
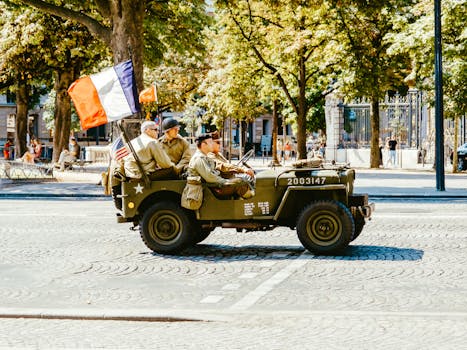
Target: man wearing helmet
column 176, row 147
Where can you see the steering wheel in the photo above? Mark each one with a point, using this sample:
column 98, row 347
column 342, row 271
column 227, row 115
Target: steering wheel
column 245, row 158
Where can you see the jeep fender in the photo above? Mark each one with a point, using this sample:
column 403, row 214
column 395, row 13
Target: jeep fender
column 296, row 197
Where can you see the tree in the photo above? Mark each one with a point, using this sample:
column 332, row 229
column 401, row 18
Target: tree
column 124, row 27
column 60, row 49
column 177, row 78
column 291, row 40
column 120, row 25
column 415, row 37
column 369, row 68
column 68, row 49
column 19, row 63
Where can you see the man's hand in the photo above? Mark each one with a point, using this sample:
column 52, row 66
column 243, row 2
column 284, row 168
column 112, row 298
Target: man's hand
column 250, row 172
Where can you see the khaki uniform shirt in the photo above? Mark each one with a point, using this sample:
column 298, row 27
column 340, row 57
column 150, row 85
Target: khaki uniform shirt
column 178, row 151
column 201, row 165
column 223, row 165
column 150, row 154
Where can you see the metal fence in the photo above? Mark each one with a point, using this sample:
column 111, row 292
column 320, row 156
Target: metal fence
column 406, row 117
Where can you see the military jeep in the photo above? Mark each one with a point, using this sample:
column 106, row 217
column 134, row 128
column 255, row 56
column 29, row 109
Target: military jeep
column 317, row 202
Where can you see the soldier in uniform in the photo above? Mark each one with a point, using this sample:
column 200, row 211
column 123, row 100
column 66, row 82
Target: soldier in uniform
column 228, row 170
column 154, row 161
column 205, row 167
column 176, row 147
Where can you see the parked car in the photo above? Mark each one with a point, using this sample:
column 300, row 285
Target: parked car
column 462, row 157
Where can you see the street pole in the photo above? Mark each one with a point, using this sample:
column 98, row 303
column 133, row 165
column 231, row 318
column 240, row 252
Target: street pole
column 439, row 157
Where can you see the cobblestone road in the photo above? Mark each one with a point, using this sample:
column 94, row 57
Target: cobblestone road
column 402, row 283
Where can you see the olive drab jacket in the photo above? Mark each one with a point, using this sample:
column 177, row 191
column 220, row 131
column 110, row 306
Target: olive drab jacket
column 223, row 165
column 201, row 165
column 150, row 154
column 178, row 150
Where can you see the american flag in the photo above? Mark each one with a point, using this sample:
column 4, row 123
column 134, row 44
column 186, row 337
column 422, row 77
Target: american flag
column 119, row 150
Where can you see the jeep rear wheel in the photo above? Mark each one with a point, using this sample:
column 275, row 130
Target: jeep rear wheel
column 325, row 227
column 166, row 228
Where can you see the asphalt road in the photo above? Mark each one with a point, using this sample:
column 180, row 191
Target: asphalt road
column 71, row 277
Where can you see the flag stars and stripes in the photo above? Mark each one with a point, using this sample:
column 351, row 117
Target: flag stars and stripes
column 119, row 150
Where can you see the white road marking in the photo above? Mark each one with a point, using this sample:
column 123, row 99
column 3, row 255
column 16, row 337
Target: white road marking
column 232, row 286
column 268, row 285
column 212, row 299
column 248, row 275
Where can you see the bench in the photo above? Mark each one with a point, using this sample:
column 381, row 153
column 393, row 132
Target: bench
column 15, row 170
column 81, row 163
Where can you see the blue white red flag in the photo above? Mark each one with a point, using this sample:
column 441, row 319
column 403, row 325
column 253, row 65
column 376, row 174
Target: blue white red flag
column 119, row 149
column 106, row 96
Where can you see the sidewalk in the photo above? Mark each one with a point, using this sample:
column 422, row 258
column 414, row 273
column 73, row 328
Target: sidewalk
column 386, row 183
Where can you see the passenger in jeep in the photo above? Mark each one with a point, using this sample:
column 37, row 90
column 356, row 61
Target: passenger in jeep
column 228, row 170
column 176, row 147
column 154, row 161
column 201, row 165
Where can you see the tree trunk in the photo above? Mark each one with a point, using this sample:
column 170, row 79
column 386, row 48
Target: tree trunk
column 275, row 123
column 22, row 96
column 62, row 118
column 127, row 34
column 374, row 123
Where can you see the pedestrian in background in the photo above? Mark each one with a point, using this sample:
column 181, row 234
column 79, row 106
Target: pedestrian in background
column 392, row 145
column 279, row 150
column 381, row 152
column 33, row 153
column 68, row 155
column 7, row 147
column 287, row 150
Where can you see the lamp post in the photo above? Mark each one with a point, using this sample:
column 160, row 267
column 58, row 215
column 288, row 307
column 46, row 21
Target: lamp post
column 439, row 155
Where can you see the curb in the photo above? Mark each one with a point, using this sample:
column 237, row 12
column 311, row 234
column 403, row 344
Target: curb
column 52, row 195
column 111, row 315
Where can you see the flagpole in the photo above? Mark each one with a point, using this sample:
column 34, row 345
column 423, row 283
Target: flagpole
column 133, row 152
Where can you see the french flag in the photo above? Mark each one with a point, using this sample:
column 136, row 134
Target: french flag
column 106, row 96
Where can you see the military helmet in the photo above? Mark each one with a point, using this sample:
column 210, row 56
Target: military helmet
column 169, row 123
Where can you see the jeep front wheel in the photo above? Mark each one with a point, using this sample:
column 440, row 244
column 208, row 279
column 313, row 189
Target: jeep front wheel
column 325, row 227
column 166, row 228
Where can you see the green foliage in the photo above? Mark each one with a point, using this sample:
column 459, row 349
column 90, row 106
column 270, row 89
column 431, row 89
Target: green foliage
column 276, row 45
column 231, row 87
column 364, row 28
column 414, row 36
column 174, row 28
column 49, row 113
column 20, row 46
column 177, row 79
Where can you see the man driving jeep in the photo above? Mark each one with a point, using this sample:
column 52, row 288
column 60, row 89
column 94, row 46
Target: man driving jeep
column 228, row 170
column 201, row 165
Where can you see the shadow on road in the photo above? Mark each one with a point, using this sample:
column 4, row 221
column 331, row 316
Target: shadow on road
column 225, row 253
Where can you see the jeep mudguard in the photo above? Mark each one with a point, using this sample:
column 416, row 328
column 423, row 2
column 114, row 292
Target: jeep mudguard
column 297, row 197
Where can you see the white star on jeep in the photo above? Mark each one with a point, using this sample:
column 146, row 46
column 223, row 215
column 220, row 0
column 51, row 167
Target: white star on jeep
column 139, row 188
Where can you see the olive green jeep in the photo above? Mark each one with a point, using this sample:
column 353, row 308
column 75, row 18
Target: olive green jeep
column 318, row 202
